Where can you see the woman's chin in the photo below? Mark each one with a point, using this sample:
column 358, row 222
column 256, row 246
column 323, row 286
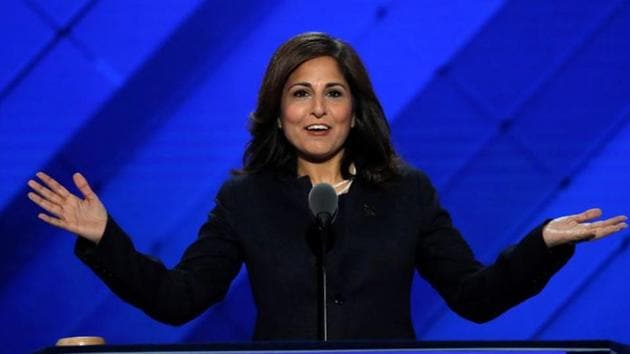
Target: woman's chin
column 323, row 157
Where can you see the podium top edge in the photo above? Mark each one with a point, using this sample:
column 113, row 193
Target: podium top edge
column 278, row 346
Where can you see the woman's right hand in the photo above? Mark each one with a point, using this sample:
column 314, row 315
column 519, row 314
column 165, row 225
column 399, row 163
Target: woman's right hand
column 85, row 217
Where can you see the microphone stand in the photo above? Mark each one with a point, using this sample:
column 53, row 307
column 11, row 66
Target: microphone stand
column 323, row 202
column 322, row 330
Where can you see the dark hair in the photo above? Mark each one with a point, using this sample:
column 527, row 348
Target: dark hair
column 368, row 145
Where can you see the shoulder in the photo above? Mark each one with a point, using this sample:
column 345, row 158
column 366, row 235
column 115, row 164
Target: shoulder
column 411, row 173
column 414, row 187
column 245, row 188
column 410, row 178
column 410, row 187
column 244, row 184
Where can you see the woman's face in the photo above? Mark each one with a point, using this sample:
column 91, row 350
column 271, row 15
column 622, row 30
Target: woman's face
column 317, row 109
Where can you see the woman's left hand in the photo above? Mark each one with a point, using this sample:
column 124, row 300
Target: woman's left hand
column 576, row 228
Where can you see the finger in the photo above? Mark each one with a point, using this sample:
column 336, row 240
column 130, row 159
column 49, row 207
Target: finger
column 587, row 215
column 83, row 186
column 608, row 230
column 53, row 221
column 45, row 192
column 54, row 185
column 45, row 204
column 608, row 222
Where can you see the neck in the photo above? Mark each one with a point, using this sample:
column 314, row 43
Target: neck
column 328, row 171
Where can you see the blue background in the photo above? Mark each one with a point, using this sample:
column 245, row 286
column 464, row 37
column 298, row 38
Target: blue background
column 518, row 110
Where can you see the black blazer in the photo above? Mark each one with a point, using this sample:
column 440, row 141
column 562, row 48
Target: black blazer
column 380, row 236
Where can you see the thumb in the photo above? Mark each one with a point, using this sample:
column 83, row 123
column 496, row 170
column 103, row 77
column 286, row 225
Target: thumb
column 83, row 186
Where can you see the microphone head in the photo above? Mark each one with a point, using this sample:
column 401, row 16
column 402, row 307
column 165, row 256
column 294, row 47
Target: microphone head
column 322, row 200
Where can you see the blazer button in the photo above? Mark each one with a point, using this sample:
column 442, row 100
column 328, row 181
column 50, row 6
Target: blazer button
column 338, row 300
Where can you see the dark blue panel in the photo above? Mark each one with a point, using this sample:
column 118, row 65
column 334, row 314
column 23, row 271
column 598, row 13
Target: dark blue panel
column 410, row 39
column 59, row 11
column 602, row 184
column 488, row 199
column 494, row 194
column 440, row 130
column 124, row 34
column 521, row 45
column 22, row 35
column 584, row 100
column 602, row 308
column 40, row 314
column 120, row 323
column 47, row 108
column 231, row 320
column 426, row 306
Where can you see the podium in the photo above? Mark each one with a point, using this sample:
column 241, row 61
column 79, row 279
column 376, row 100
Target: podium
column 424, row 347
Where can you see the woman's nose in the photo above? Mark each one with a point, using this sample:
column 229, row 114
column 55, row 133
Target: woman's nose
column 319, row 107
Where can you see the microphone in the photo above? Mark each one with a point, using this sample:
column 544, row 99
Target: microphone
column 322, row 200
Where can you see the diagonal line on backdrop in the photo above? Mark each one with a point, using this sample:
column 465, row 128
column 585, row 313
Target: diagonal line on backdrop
column 590, row 33
column 532, row 93
column 61, row 32
column 597, row 149
column 111, row 136
column 586, row 282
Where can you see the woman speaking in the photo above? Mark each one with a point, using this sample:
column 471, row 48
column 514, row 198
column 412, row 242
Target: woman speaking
column 318, row 120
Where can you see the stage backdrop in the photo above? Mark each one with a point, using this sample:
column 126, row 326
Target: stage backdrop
column 517, row 109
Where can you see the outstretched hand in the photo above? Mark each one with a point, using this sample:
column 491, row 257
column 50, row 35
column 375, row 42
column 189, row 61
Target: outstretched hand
column 576, row 228
column 85, row 217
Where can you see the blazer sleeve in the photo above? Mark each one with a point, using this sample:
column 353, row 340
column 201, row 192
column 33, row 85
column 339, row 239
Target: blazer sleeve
column 475, row 291
column 174, row 296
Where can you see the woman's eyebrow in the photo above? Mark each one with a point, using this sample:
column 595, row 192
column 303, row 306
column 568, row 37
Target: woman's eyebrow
column 336, row 84
column 308, row 84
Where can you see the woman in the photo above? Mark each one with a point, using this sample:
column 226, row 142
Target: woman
column 318, row 120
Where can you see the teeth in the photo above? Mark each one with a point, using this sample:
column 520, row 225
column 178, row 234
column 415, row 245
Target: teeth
column 317, row 127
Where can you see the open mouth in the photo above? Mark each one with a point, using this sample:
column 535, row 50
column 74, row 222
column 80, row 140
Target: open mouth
column 317, row 128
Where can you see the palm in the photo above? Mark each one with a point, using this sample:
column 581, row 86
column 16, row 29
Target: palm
column 85, row 217
column 576, row 228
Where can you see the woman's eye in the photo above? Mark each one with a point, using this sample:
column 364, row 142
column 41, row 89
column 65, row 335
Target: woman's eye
column 335, row 93
column 300, row 93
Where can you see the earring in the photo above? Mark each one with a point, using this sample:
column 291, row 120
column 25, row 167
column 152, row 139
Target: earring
column 353, row 122
column 279, row 123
